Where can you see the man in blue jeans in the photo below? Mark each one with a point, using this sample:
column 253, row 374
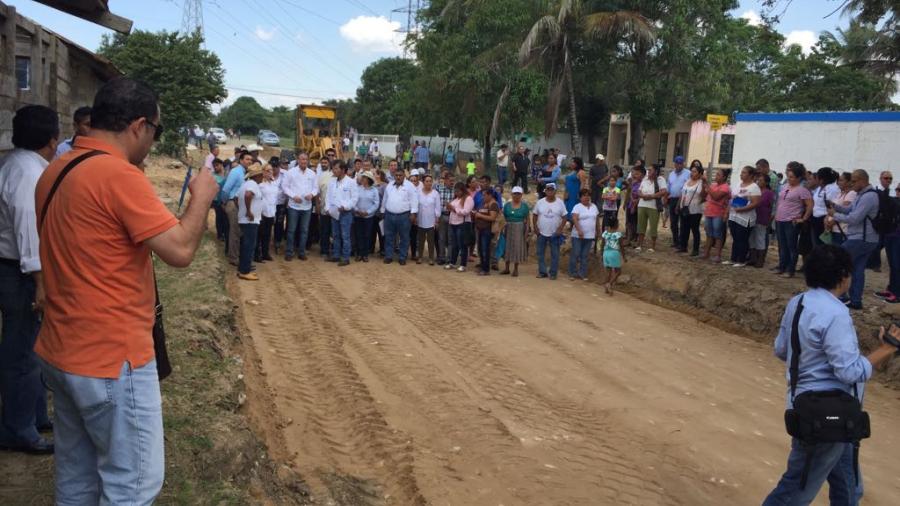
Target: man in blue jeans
column 340, row 200
column 96, row 348
column 300, row 186
column 549, row 220
column 862, row 239
column 24, row 413
column 399, row 205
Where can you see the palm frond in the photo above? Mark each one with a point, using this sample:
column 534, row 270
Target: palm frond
column 546, row 28
column 613, row 25
column 567, row 9
column 500, row 102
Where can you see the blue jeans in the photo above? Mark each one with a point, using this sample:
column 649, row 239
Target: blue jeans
column 859, row 253
column 788, row 250
column 578, row 256
column 249, row 231
column 340, row 236
column 502, row 175
column 23, row 395
column 396, row 225
column 458, row 249
column 295, row 217
column 740, row 242
column 542, row 243
column 484, row 250
column 892, row 248
column 828, row 463
column 108, row 435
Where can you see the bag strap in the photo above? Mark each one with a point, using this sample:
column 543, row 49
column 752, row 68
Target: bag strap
column 795, row 347
column 62, row 174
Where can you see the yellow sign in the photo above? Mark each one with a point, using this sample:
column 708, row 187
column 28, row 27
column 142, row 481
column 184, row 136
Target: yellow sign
column 716, row 121
column 312, row 111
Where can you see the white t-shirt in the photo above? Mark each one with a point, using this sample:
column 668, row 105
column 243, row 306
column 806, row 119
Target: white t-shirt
column 270, row 191
column 503, row 158
column 821, row 195
column 647, row 188
column 256, row 205
column 746, row 218
column 690, row 197
column 587, row 218
column 550, row 216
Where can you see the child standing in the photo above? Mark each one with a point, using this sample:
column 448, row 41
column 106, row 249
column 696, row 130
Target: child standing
column 610, row 201
column 613, row 254
column 470, row 167
column 250, row 207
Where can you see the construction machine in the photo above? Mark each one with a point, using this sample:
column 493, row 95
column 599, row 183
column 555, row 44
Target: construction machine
column 317, row 130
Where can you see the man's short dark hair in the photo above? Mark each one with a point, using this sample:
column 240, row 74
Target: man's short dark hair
column 121, row 101
column 762, row 162
column 81, row 114
column 218, row 162
column 243, row 154
column 826, row 266
column 34, row 126
column 485, row 178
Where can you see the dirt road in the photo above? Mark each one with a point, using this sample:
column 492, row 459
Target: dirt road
column 415, row 385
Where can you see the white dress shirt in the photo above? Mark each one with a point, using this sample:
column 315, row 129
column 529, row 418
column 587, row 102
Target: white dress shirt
column 300, row 183
column 269, row 190
column 279, row 182
column 429, row 208
column 400, row 199
column 341, row 196
column 19, row 174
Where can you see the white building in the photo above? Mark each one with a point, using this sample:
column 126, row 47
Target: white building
column 843, row 141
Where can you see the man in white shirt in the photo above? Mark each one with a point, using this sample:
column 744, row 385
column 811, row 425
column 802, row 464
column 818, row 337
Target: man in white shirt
column 503, row 164
column 81, row 122
column 340, row 201
column 300, row 186
column 549, row 220
column 213, row 154
column 35, row 137
column 400, row 206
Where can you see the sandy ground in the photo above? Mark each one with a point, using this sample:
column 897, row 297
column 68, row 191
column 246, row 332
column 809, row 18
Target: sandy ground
column 438, row 387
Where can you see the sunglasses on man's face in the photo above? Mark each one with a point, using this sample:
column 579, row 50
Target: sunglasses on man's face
column 157, row 129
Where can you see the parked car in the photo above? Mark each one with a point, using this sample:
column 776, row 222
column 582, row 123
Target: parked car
column 267, row 138
column 219, row 133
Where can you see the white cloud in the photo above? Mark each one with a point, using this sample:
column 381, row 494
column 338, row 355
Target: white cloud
column 263, row 34
column 753, row 18
column 806, row 39
column 373, row 34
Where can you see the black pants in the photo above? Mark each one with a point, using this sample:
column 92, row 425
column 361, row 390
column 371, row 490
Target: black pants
column 674, row 220
column 413, row 241
column 520, row 178
column 376, row 234
column 221, row 221
column 264, row 237
column 362, row 235
column 818, row 226
column 740, row 244
column 324, row 223
column 280, row 212
column 690, row 224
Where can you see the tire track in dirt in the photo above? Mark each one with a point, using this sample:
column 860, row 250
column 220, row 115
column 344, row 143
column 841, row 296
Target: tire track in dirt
column 336, row 427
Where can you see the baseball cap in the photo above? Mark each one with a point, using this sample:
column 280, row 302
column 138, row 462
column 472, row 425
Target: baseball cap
column 550, row 185
column 600, row 157
column 516, row 189
column 679, row 159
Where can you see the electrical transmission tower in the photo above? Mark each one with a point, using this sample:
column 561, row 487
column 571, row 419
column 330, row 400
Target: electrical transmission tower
column 412, row 19
column 192, row 17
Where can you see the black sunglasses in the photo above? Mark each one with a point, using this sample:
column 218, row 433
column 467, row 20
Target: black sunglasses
column 157, row 129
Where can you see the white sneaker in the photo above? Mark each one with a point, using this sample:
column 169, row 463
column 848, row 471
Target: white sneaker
column 726, row 262
column 461, row 269
column 448, row 267
column 738, row 265
column 651, row 250
column 637, row 248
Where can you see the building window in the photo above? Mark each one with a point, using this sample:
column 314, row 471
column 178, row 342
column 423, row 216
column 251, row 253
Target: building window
column 23, row 72
column 681, row 143
column 726, row 149
column 663, row 148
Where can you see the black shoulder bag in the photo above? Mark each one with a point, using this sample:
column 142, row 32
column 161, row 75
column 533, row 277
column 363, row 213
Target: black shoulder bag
column 829, row 416
column 163, row 367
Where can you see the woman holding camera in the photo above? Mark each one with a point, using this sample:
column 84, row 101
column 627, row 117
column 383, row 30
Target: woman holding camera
column 819, row 343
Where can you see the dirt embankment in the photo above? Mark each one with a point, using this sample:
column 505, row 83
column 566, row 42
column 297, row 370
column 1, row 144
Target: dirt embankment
column 747, row 301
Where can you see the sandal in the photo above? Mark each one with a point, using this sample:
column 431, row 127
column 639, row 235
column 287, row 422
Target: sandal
column 504, row 272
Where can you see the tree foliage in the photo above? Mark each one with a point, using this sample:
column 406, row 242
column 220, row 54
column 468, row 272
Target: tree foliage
column 382, row 100
column 245, row 114
column 188, row 78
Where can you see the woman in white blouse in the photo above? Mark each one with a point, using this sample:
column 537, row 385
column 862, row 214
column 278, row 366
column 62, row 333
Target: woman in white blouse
column 270, row 191
column 429, row 213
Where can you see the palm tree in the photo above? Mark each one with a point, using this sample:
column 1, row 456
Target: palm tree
column 553, row 43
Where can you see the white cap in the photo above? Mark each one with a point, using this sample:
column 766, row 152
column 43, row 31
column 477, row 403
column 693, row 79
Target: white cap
column 414, row 172
column 600, row 157
column 516, row 189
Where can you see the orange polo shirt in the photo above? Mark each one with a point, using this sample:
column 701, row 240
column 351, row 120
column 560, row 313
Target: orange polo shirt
column 97, row 270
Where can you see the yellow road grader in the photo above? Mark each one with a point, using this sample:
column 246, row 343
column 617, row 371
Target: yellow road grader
column 317, row 130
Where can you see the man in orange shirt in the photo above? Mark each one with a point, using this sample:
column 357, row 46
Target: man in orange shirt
column 96, row 346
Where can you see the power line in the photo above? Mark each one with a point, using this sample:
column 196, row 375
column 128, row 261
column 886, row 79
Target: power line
column 295, row 90
column 357, row 3
column 311, row 12
column 261, row 92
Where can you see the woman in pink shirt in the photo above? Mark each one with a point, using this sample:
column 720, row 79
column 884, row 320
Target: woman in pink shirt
column 794, row 207
column 460, row 226
column 717, row 195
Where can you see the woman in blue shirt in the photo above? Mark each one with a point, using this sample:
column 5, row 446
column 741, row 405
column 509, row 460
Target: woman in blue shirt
column 573, row 185
column 364, row 215
column 829, row 360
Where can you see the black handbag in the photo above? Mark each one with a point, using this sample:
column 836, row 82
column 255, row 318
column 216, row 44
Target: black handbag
column 829, row 416
column 163, row 367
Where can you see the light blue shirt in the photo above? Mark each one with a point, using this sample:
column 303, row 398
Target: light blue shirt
column 233, row 182
column 368, row 201
column 64, row 147
column 865, row 205
column 829, row 348
column 676, row 182
column 553, row 177
column 421, row 154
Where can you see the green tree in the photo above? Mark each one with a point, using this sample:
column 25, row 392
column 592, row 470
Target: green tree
column 188, row 78
column 382, row 101
column 282, row 120
column 245, row 114
column 346, row 110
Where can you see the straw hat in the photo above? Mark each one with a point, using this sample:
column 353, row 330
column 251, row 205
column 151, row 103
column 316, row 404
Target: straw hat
column 253, row 171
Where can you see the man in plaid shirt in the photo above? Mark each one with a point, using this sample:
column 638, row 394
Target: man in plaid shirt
column 445, row 190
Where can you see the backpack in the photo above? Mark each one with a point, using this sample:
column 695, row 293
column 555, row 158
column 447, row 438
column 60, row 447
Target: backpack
column 888, row 218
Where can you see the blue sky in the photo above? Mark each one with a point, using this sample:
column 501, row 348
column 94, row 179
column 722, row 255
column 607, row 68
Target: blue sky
column 298, row 51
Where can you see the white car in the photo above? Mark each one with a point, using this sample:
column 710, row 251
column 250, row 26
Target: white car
column 219, row 133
